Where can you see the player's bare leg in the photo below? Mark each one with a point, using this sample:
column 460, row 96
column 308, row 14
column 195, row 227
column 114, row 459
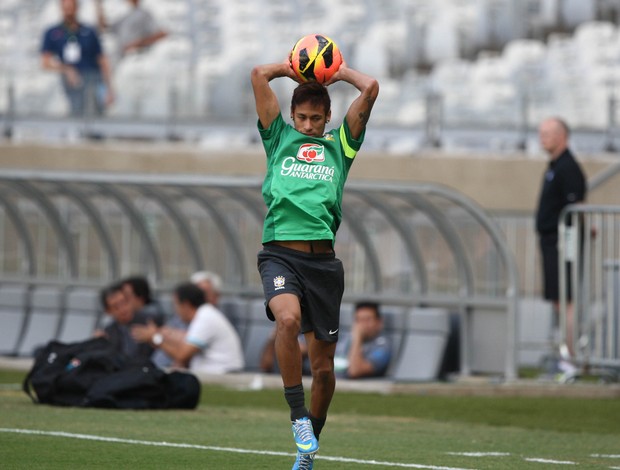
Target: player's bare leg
column 321, row 354
column 287, row 312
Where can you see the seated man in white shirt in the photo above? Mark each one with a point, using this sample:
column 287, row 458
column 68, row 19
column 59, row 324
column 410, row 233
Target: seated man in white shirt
column 210, row 345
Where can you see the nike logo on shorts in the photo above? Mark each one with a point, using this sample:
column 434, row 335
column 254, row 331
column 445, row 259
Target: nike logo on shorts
column 333, row 332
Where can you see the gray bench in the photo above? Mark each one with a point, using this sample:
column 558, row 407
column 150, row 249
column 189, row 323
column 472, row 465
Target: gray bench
column 13, row 302
column 424, row 345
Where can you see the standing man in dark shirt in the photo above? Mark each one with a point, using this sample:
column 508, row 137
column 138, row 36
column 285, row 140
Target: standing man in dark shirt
column 563, row 184
column 74, row 50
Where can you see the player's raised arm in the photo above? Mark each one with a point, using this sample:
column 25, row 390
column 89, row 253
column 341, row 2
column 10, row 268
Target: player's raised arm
column 359, row 111
column 267, row 106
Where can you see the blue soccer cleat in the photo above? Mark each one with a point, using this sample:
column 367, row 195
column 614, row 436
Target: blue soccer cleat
column 304, row 436
column 304, row 461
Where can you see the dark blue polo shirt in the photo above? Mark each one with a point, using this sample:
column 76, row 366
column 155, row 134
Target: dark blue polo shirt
column 563, row 184
column 80, row 48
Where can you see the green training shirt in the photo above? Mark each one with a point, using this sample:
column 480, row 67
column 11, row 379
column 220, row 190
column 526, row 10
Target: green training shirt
column 304, row 181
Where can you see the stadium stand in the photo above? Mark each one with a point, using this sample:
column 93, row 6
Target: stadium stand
column 488, row 59
column 562, row 58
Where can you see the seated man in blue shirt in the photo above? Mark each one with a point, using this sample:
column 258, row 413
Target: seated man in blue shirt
column 74, row 50
column 366, row 352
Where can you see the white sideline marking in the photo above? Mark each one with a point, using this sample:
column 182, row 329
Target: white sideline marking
column 480, row 454
column 10, row 387
column 118, row 440
column 606, row 456
column 556, row 462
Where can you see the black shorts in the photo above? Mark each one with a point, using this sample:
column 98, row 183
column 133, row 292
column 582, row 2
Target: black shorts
column 551, row 270
column 317, row 279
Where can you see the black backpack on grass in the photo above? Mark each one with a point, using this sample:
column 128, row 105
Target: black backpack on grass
column 144, row 386
column 92, row 374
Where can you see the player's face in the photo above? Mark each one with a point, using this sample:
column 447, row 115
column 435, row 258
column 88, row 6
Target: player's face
column 136, row 302
column 366, row 320
column 310, row 119
column 119, row 307
column 183, row 309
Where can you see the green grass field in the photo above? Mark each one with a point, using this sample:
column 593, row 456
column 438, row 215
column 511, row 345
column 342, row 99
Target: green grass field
column 234, row 429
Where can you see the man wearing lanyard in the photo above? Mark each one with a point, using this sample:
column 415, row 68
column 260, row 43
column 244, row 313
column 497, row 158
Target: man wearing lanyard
column 74, row 50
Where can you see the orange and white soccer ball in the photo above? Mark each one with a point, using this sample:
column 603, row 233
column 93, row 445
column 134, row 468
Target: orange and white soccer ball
column 315, row 57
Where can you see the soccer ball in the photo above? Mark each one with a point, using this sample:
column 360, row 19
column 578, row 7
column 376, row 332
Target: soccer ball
column 315, row 57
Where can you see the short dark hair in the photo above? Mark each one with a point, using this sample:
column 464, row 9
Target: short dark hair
column 369, row 304
column 312, row 92
column 140, row 287
column 108, row 291
column 190, row 292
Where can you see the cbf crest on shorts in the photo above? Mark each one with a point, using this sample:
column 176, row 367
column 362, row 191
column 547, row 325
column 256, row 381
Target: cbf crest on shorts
column 278, row 282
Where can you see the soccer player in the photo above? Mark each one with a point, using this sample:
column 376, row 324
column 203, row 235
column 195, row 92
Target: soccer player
column 302, row 279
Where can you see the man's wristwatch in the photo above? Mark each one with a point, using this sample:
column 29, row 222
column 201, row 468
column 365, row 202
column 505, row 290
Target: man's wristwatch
column 157, row 339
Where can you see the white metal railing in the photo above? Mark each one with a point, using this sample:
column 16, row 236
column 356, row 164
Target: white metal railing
column 589, row 249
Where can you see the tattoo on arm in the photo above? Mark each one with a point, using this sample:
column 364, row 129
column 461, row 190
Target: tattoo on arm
column 363, row 117
column 365, row 114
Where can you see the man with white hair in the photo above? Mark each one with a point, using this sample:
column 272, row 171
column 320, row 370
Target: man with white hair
column 210, row 283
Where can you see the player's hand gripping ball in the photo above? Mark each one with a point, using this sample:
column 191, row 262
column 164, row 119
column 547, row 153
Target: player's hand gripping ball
column 315, row 57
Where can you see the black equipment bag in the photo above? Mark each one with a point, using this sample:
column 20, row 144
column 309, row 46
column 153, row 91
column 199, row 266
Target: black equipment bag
column 183, row 390
column 62, row 373
column 92, row 374
column 144, row 386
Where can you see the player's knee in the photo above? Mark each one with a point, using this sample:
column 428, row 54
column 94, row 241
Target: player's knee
column 323, row 369
column 323, row 375
column 288, row 324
